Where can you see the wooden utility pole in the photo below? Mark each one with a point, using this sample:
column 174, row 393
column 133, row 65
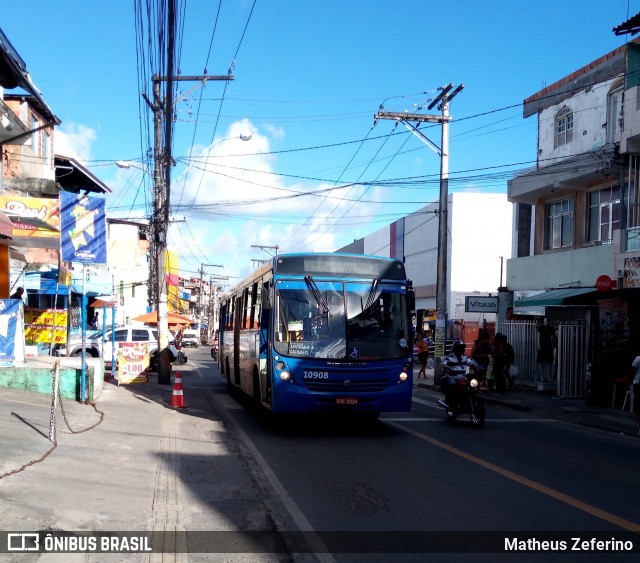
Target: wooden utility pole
column 442, row 100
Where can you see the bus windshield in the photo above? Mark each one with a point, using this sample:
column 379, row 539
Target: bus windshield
column 341, row 320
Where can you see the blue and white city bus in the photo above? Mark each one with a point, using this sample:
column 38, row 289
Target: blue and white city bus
column 321, row 332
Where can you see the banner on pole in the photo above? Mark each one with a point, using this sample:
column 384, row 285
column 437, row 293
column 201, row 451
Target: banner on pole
column 83, row 229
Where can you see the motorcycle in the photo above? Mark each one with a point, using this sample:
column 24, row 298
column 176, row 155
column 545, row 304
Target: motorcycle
column 462, row 397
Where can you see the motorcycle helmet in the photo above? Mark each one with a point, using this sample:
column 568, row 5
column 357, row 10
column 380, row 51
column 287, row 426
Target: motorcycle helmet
column 458, row 347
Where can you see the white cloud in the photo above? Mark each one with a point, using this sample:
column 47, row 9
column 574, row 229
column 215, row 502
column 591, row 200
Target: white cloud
column 74, row 140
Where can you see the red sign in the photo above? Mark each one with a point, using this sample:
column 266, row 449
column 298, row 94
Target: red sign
column 605, row 283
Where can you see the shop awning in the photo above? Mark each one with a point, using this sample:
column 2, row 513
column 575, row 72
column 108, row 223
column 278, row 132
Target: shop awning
column 553, row 297
column 6, row 226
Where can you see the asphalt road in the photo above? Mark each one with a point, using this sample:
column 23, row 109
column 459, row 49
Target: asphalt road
column 417, row 475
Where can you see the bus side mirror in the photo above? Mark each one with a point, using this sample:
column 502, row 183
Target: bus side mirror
column 411, row 296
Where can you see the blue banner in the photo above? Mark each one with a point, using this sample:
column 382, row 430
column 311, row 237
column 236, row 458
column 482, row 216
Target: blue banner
column 83, row 229
column 9, row 314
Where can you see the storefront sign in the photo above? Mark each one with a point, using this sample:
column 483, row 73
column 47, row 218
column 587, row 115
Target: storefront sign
column 473, row 304
column 32, row 216
column 605, row 283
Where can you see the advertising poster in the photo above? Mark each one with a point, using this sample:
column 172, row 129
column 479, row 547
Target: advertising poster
column 631, row 272
column 133, row 362
column 83, row 229
column 45, row 325
column 12, row 347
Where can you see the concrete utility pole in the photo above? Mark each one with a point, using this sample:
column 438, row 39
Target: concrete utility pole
column 163, row 109
column 442, row 100
column 267, row 249
column 213, row 302
column 200, row 305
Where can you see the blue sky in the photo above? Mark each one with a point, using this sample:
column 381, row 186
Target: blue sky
column 309, row 79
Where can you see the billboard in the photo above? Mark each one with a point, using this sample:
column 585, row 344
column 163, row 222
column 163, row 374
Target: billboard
column 83, row 229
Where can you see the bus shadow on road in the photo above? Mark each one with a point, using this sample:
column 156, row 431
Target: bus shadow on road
column 317, row 424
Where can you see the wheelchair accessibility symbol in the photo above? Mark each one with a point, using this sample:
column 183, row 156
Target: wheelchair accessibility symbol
column 354, row 353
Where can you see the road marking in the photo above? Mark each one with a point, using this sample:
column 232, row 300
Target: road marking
column 562, row 497
column 492, row 420
column 423, row 402
column 321, row 551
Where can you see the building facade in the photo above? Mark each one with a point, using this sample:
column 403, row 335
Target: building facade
column 576, row 232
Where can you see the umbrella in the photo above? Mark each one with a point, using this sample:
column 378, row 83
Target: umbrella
column 172, row 318
column 101, row 303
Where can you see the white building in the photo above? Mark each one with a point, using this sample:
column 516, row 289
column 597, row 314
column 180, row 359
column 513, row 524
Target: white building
column 479, row 227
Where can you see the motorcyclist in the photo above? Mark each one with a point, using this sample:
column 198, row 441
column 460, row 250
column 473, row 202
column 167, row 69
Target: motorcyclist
column 454, row 366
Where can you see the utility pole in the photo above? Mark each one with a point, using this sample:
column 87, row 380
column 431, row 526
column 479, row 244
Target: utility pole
column 267, row 249
column 213, row 301
column 442, row 100
column 163, row 109
column 200, row 305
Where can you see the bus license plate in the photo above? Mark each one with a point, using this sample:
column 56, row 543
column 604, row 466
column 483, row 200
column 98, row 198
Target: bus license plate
column 346, row 400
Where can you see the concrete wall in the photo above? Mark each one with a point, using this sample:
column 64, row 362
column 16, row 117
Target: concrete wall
column 578, row 268
column 37, row 376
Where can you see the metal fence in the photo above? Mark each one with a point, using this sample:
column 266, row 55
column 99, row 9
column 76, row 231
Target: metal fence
column 570, row 372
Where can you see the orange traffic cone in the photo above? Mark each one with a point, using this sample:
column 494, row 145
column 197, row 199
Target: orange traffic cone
column 177, row 397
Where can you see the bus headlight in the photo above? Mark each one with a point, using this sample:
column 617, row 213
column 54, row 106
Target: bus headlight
column 285, row 375
column 280, row 365
column 403, row 376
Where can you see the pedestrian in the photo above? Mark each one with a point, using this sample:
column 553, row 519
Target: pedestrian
column 96, row 320
column 499, row 356
column 423, row 354
column 634, row 373
column 17, row 294
column 480, row 353
column 509, row 360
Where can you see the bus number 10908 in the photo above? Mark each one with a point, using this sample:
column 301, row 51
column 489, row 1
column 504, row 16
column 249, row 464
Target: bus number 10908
column 316, row 374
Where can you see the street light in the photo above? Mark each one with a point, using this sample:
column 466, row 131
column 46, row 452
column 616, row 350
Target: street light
column 242, row 137
column 153, row 292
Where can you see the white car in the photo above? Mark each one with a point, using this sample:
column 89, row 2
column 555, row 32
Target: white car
column 190, row 339
column 95, row 347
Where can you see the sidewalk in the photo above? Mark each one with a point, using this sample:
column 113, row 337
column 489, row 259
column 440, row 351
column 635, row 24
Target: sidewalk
column 547, row 405
column 140, row 466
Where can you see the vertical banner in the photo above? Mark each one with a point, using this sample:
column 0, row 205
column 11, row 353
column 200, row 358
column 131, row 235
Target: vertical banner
column 12, row 346
column 83, row 229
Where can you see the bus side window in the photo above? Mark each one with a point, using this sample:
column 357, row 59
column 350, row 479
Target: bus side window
column 246, row 304
column 255, row 304
column 266, row 295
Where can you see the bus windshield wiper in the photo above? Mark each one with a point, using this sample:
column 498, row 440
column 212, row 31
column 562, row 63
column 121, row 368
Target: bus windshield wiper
column 315, row 291
column 372, row 294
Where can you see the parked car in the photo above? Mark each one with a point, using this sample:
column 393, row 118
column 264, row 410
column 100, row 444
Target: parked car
column 95, row 348
column 190, row 339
